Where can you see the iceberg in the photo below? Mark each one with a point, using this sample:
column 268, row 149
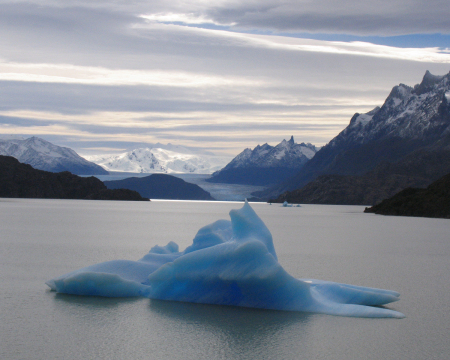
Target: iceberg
column 286, row 204
column 229, row 263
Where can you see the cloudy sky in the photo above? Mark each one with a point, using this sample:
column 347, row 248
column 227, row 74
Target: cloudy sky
column 222, row 75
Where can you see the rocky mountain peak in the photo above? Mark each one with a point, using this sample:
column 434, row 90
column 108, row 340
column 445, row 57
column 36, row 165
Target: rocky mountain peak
column 428, row 82
column 266, row 164
column 408, row 113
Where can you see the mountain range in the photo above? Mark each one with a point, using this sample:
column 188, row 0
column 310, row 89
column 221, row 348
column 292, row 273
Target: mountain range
column 161, row 159
column 266, row 164
column 407, row 139
column 158, row 158
column 43, row 155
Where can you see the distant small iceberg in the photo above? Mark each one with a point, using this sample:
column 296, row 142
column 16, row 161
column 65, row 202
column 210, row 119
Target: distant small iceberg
column 286, row 204
column 229, row 263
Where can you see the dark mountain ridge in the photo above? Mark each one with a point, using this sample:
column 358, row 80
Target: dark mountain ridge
column 19, row 180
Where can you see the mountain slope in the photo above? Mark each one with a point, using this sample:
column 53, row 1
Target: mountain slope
column 43, row 155
column 410, row 120
column 266, row 164
column 19, row 180
column 172, row 159
column 161, row 186
column 418, row 169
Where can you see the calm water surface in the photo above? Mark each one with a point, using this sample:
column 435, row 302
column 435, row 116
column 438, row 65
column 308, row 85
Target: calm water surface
column 41, row 239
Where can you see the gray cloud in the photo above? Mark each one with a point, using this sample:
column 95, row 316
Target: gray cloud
column 83, row 99
column 251, row 89
column 377, row 17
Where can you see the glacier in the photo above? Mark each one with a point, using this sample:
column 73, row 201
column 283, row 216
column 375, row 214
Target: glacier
column 169, row 159
column 229, row 263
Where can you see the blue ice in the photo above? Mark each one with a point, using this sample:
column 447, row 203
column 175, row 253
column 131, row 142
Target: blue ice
column 229, row 263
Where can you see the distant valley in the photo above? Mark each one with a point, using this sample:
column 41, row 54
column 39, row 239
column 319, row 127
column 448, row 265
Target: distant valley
column 191, row 165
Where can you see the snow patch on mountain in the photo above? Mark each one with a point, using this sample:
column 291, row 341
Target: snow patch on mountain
column 169, row 160
column 363, row 119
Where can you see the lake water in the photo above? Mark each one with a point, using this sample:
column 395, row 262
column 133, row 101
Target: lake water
column 41, row 239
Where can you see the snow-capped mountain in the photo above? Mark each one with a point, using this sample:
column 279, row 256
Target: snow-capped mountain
column 43, row 155
column 159, row 160
column 266, row 164
column 285, row 154
column 408, row 113
column 412, row 121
